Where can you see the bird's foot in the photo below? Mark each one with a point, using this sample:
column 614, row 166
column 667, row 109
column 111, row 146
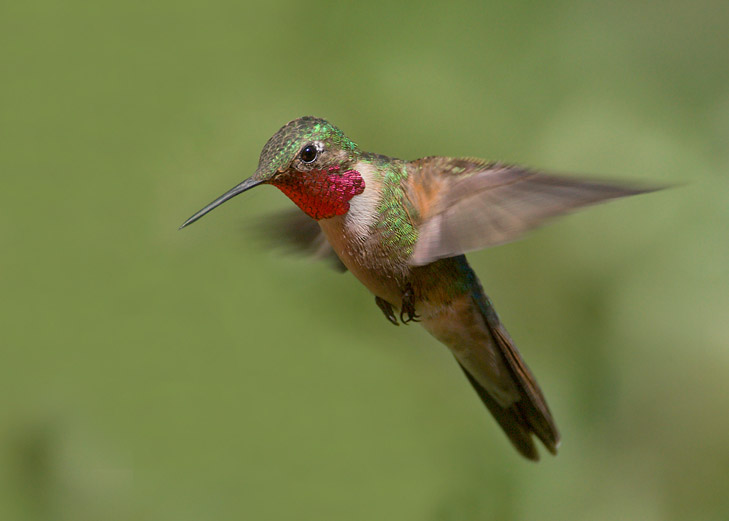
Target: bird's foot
column 386, row 308
column 408, row 307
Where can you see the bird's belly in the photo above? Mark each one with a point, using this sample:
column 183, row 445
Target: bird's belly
column 384, row 270
column 379, row 277
column 373, row 266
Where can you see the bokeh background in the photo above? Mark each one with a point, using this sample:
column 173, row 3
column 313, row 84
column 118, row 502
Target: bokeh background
column 151, row 374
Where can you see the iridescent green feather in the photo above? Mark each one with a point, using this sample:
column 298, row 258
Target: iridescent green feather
column 279, row 150
column 395, row 225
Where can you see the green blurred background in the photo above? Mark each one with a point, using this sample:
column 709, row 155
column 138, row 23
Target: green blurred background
column 151, row 374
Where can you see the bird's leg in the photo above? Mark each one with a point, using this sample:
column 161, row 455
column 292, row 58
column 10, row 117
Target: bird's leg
column 408, row 306
column 386, row 308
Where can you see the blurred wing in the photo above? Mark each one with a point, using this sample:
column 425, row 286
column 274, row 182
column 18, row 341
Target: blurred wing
column 468, row 204
column 296, row 232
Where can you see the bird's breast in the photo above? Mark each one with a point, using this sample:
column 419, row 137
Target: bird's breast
column 367, row 260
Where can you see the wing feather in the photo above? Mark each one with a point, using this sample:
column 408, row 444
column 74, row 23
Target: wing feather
column 296, row 232
column 473, row 204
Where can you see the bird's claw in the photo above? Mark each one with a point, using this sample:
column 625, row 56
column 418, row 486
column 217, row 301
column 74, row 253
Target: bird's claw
column 386, row 308
column 408, row 307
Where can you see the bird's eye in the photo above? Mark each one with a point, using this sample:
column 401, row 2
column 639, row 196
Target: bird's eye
column 309, row 153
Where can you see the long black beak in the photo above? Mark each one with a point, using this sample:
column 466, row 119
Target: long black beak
column 245, row 185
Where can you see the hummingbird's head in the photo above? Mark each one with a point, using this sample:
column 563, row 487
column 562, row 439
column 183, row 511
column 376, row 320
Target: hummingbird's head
column 311, row 161
column 303, row 145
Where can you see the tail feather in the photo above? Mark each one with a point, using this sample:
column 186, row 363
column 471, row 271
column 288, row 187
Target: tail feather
column 511, row 419
column 468, row 325
column 529, row 414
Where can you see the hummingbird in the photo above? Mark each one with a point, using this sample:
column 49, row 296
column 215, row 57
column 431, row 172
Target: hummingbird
column 402, row 228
